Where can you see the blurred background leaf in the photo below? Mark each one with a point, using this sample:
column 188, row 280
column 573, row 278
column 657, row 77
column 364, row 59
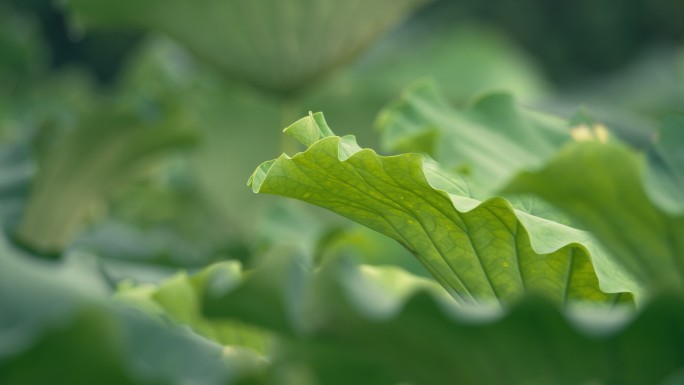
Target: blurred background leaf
column 180, row 296
column 354, row 328
column 62, row 329
column 664, row 177
column 611, row 201
column 281, row 46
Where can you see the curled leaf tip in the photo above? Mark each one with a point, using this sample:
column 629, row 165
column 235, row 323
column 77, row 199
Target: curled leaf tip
column 309, row 129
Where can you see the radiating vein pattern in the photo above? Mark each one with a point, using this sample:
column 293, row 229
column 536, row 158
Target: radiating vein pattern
column 480, row 253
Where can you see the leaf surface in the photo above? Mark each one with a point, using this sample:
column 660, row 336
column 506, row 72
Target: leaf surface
column 178, row 298
column 601, row 185
column 479, row 251
column 90, row 161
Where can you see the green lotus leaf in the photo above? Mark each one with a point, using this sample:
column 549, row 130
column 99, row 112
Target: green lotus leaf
column 489, row 141
column 178, row 298
column 276, row 44
column 63, row 329
column 601, row 186
column 480, row 251
column 107, row 150
column 356, row 328
column 664, row 178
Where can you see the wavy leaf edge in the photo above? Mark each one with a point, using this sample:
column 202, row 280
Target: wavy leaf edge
column 317, row 133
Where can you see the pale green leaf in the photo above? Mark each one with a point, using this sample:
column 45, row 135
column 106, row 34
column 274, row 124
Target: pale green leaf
column 105, row 151
column 367, row 246
column 56, row 326
column 601, row 185
column 282, row 45
column 464, row 59
column 179, row 297
column 489, row 141
column 479, row 251
column 664, row 178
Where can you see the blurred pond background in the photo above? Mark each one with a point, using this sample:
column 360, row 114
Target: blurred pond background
column 128, row 129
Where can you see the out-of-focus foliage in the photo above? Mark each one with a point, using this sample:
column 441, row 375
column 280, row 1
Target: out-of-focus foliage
column 349, row 324
column 664, row 179
column 579, row 39
column 282, row 46
column 180, row 298
column 488, row 142
column 57, row 326
column 128, row 130
column 88, row 162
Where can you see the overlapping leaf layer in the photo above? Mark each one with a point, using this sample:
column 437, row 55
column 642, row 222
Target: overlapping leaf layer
column 479, row 251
